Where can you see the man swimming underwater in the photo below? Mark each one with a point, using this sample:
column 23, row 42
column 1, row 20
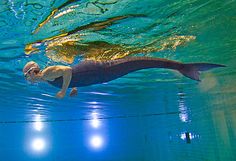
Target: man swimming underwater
column 90, row 72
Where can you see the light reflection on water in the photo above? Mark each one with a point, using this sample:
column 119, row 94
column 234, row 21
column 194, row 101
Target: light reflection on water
column 96, row 139
column 206, row 109
column 38, row 142
column 95, row 122
column 183, row 109
column 95, row 136
column 38, row 124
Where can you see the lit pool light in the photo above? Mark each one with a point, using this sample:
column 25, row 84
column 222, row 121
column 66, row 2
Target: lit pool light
column 96, row 142
column 38, row 144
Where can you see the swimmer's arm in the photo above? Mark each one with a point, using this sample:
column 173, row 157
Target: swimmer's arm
column 54, row 72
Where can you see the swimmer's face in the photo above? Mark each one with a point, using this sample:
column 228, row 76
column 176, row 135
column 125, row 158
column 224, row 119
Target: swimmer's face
column 31, row 73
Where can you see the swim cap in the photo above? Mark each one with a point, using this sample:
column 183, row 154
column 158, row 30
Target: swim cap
column 29, row 66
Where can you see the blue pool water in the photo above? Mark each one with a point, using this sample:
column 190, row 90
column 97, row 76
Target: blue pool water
column 148, row 115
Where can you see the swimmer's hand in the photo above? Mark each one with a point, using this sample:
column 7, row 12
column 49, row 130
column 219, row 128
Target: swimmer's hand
column 73, row 92
column 60, row 94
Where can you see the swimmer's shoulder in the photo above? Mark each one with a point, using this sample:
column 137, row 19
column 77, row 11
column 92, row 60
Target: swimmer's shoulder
column 56, row 68
column 53, row 72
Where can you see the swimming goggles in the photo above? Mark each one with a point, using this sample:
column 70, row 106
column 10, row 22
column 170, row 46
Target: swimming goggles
column 29, row 70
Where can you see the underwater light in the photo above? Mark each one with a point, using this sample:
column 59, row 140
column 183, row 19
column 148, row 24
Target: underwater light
column 188, row 136
column 38, row 144
column 96, row 141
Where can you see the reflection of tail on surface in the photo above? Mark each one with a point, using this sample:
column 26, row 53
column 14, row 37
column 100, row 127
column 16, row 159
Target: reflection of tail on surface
column 193, row 70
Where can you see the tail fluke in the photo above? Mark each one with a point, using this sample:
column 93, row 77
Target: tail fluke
column 193, row 70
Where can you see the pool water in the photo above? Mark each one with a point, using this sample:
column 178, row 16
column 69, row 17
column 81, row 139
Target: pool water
column 148, row 115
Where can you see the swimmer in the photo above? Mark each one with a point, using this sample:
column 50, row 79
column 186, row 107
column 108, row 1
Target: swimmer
column 91, row 72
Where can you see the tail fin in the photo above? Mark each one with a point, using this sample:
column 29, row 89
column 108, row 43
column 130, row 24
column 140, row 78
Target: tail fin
column 193, row 70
